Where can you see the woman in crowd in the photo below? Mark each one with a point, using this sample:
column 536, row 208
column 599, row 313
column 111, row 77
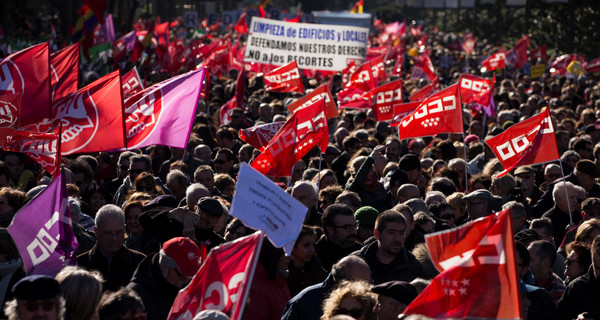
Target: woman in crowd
column 305, row 268
column 137, row 239
column 352, row 298
column 82, row 291
column 145, row 183
column 11, row 200
column 578, row 261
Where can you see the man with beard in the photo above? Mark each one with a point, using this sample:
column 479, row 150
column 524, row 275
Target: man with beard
column 387, row 257
column 339, row 238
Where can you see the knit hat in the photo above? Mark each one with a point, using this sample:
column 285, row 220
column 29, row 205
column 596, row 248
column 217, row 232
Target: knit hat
column 409, row 162
column 366, row 216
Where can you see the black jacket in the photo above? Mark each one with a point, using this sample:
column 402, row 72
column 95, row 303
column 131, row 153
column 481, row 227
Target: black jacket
column 306, row 305
column 157, row 294
column 405, row 266
column 581, row 295
column 329, row 253
column 119, row 272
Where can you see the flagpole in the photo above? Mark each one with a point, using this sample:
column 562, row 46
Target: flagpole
column 566, row 192
column 319, row 178
column 466, row 162
column 254, row 262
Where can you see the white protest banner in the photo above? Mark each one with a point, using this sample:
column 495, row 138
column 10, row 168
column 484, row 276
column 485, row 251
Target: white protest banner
column 263, row 205
column 313, row 46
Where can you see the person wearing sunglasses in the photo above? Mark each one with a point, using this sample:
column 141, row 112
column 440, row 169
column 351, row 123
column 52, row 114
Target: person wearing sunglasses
column 352, row 298
column 36, row 297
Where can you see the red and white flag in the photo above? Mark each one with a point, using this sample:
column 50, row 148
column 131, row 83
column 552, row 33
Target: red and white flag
column 285, row 79
column 538, row 52
column 378, row 67
column 528, row 142
column 476, row 89
column 423, row 61
column 495, row 61
column 163, row 113
column 41, row 147
column 259, row 136
column 402, row 111
column 132, row 83
column 10, row 105
column 226, row 110
column 426, row 91
column 64, row 71
column 27, row 73
column 320, row 93
column 362, row 78
column 517, row 56
column 223, row 281
column 440, row 113
column 92, row 117
column 468, row 43
column 478, row 278
column 384, row 98
column 306, row 128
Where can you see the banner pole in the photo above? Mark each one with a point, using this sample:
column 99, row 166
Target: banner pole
column 466, row 163
column 319, row 178
column 566, row 192
column 253, row 263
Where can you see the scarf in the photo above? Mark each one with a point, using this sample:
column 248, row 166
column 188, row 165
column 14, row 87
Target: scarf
column 7, row 270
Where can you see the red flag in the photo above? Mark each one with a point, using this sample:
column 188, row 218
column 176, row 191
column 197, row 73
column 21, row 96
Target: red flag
column 424, row 62
column 64, row 68
column 10, row 106
column 375, row 52
column 132, row 83
column 241, row 26
column 261, row 12
column 41, row 147
column 384, row 98
column 223, row 281
column 592, row 65
column 426, row 91
column 478, row 278
column 495, row 61
column 259, row 136
column 520, row 51
column 306, row 128
column 161, row 31
column 362, row 78
column 378, row 67
column 528, row 142
column 468, row 44
column 27, row 73
column 476, row 89
column 240, row 88
column 92, row 118
column 440, row 113
column 226, row 110
column 285, row 79
column 539, row 52
column 353, row 98
column 320, row 93
column 98, row 7
column 403, row 110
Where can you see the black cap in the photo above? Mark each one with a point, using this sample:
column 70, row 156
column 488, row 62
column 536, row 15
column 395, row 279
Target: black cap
column 164, row 200
column 409, row 162
column 37, row 287
column 400, row 291
column 211, row 206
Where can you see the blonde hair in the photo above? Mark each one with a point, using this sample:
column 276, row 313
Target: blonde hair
column 81, row 290
column 359, row 290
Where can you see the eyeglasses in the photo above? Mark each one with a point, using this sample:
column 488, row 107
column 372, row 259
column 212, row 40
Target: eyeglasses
column 569, row 261
column 354, row 313
column 33, row 306
column 348, row 227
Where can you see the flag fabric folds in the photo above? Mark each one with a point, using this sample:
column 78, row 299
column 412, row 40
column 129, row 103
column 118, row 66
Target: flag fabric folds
column 131, row 83
column 474, row 89
column 41, row 147
column 320, row 93
column 92, row 117
column 384, row 99
column 163, row 113
column 259, row 136
column 223, row 281
column 285, row 79
column 440, row 113
column 64, row 71
column 10, row 106
column 43, row 233
column 478, row 278
column 495, row 61
column 528, row 142
column 426, row 91
column 306, row 128
column 403, row 110
column 27, row 73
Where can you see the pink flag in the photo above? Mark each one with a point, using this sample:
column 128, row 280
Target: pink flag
column 163, row 114
column 223, row 281
column 43, row 233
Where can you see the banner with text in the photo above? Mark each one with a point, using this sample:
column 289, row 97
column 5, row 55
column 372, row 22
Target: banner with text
column 313, row 46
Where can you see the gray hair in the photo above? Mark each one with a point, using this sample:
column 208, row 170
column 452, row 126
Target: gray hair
column 569, row 153
column 344, row 268
column 518, row 209
column 313, row 187
column 178, row 176
column 559, row 189
column 455, row 161
column 109, row 211
column 193, row 194
column 126, row 155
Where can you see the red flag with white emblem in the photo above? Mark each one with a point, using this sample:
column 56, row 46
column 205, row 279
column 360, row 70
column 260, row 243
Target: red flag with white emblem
column 306, row 128
column 132, row 83
column 10, row 105
column 468, row 44
column 426, row 91
column 91, row 118
column 362, row 78
column 259, row 136
column 285, row 79
column 476, row 89
column 320, row 93
column 223, row 281
column 478, row 278
column 378, row 68
column 495, row 61
column 41, row 147
column 440, row 113
column 226, row 110
column 27, row 73
column 402, row 111
column 528, row 142
column 64, row 71
column 384, row 98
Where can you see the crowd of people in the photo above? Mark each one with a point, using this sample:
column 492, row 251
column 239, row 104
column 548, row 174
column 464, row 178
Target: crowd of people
column 144, row 218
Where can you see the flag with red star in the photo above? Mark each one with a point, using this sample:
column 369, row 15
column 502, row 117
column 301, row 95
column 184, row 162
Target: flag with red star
column 478, row 278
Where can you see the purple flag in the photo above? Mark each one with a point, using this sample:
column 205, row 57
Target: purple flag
column 163, row 113
column 127, row 41
column 43, row 233
column 109, row 29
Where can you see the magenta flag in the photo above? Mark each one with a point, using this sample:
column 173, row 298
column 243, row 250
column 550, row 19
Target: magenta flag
column 43, row 233
column 163, row 113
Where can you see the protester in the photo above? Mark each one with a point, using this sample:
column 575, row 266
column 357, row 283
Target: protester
column 35, row 297
column 351, row 298
column 82, row 291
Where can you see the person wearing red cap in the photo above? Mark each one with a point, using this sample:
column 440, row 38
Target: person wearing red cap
column 160, row 276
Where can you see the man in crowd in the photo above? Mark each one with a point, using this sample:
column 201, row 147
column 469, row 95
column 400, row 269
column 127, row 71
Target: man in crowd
column 339, row 236
column 542, row 259
column 35, row 297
